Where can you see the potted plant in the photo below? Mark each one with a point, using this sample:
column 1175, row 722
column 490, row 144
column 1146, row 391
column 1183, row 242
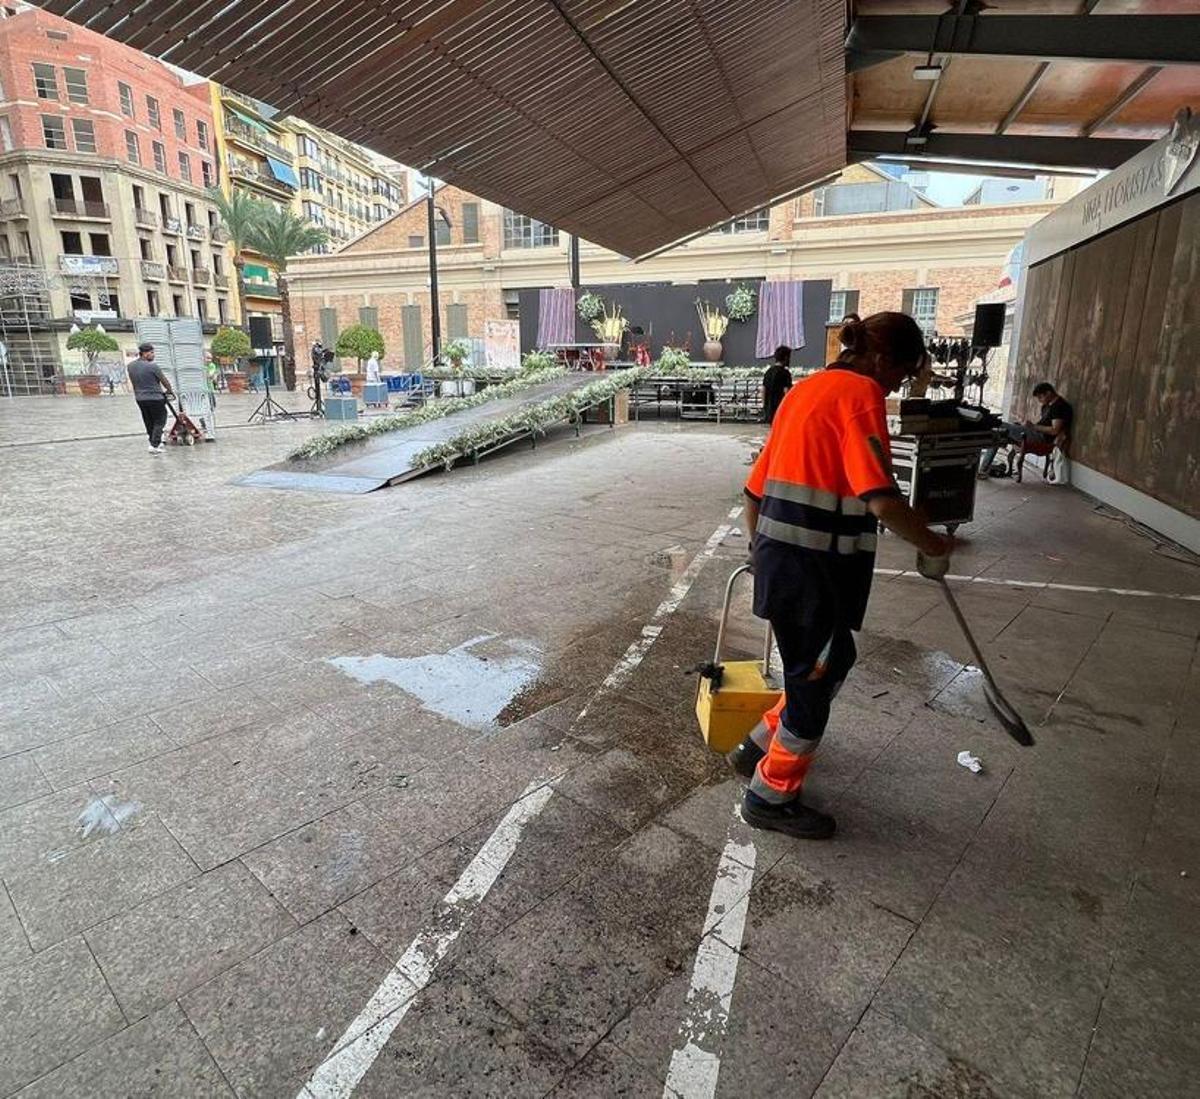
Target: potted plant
column 358, row 342
column 672, row 360
column 713, row 324
column 93, row 342
column 458, row 386
column 610, row 331
column 739, row 303
column 227, row 347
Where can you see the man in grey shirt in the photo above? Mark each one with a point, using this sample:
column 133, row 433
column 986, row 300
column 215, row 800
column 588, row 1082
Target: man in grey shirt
column 151, row 390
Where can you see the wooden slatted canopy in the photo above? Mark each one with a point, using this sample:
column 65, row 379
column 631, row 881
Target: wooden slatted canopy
column 632, row 123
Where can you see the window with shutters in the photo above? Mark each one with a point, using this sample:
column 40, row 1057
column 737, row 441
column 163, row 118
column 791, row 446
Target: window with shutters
column 921, row 304
column 125, row 92
column 202, row 134
column 153, row 113
column 85, row 135
column 842, row 302
column 206, row 173
column 6, row 135
column 441, row 231
column 76, row 82
column 54, row 134
column 160, row 157
column 180, row 124
column 185, row 167
column 45, row 81
column 133, row 152
column 470, row 222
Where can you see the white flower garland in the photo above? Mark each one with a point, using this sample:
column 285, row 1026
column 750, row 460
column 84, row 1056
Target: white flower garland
column 432, row 410
column 534, row 420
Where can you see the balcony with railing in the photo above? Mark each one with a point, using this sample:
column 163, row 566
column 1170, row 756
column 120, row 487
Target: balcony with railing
column 196, row 231
column 72, row 264
column 262, row 290
column 172, row 225
column 219, row 234
column 145, row 217
column 258, row 177
column 153, row 270
column 200, row 276
column 221, row 282
column 257, row 139
column 79, row 208
column 12, row 208
column 176, row 274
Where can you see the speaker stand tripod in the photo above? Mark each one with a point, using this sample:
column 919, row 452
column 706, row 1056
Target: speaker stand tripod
column 268, row 408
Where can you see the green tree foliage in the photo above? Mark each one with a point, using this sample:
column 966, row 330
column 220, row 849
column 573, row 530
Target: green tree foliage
column 230, row 343
column 239, row 213
column 359, row 342
column 277, row 234
column 92, row 343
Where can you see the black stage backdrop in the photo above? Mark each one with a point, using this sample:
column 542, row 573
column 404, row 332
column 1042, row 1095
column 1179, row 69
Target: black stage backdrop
column 667, row 313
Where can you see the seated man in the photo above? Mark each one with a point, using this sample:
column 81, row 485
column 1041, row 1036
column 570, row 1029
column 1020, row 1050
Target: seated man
column 1051, row 434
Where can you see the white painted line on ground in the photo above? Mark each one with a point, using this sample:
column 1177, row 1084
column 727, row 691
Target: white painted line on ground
column 696, row 1062
column 363, row 1040
column 636, row 652
column 1047, row 585
column 355, row 1051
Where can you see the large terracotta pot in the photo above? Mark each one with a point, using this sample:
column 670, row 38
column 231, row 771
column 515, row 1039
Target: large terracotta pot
column 713, row 351
column 89, row 385
column 237, row 383
column 357, row 381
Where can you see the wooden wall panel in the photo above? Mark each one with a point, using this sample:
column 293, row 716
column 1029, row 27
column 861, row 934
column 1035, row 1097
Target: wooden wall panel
column 1115, row 324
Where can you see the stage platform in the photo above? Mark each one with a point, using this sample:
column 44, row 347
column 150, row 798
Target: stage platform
column 387, row 459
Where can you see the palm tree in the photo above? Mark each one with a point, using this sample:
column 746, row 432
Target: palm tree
column 238, row 213
column 278, row 234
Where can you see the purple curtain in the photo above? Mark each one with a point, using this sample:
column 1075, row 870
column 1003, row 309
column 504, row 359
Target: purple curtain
column 780, row 317
column 556, row 317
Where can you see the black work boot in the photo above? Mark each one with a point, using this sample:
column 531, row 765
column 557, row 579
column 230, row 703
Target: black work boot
column 793, row 818
column 744, row 758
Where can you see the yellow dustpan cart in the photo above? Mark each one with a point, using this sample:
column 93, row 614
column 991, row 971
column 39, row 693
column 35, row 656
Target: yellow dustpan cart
column 732, row 697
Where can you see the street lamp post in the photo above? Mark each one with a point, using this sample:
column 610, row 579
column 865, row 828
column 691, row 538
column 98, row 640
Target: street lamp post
column 574, row 262
column 435, row 319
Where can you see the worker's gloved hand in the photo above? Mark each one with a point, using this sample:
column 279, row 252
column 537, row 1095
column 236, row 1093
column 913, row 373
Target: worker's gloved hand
column 933, row 568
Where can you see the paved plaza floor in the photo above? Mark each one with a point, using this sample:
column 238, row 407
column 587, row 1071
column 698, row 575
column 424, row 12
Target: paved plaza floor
column 296, row 797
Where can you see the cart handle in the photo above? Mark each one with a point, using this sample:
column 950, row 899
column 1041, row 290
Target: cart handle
column 766, row 660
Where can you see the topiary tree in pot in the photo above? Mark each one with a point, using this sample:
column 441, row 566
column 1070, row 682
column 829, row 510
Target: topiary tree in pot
column 229, row 345
column 358, row 342
column 93, row 342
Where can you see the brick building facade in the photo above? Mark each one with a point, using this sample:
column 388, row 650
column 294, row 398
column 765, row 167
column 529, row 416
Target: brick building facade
column 939, row 259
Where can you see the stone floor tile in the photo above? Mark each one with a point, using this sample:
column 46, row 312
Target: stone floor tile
column 21, row 780
column 97, row 880
column 91, row 755
column 45, row 828
column 795, row 923
column 167, row 945
column 158, row 1057
column 493, row 1055
column 1146, row 1040
column 14, row 945
column 270, row 1020
column 52, row 1006
column 885, row 1060
column 607, row 1073
column 218, row 711
column 567, row 972
column 318, row 866
column 770, row 1046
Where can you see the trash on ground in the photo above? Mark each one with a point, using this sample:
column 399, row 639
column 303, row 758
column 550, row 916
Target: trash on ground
column 970, row 762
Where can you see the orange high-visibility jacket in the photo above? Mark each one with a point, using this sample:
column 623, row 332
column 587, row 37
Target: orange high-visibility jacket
column 826, row 456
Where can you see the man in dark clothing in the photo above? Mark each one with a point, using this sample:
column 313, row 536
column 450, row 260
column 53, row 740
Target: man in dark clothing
column 151, row 390
column 776, row 382
column 1051, row 433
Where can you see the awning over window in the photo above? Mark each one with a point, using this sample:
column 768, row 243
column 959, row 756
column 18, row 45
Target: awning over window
column 283, row 172
column 257, row 271
column 249, row 119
